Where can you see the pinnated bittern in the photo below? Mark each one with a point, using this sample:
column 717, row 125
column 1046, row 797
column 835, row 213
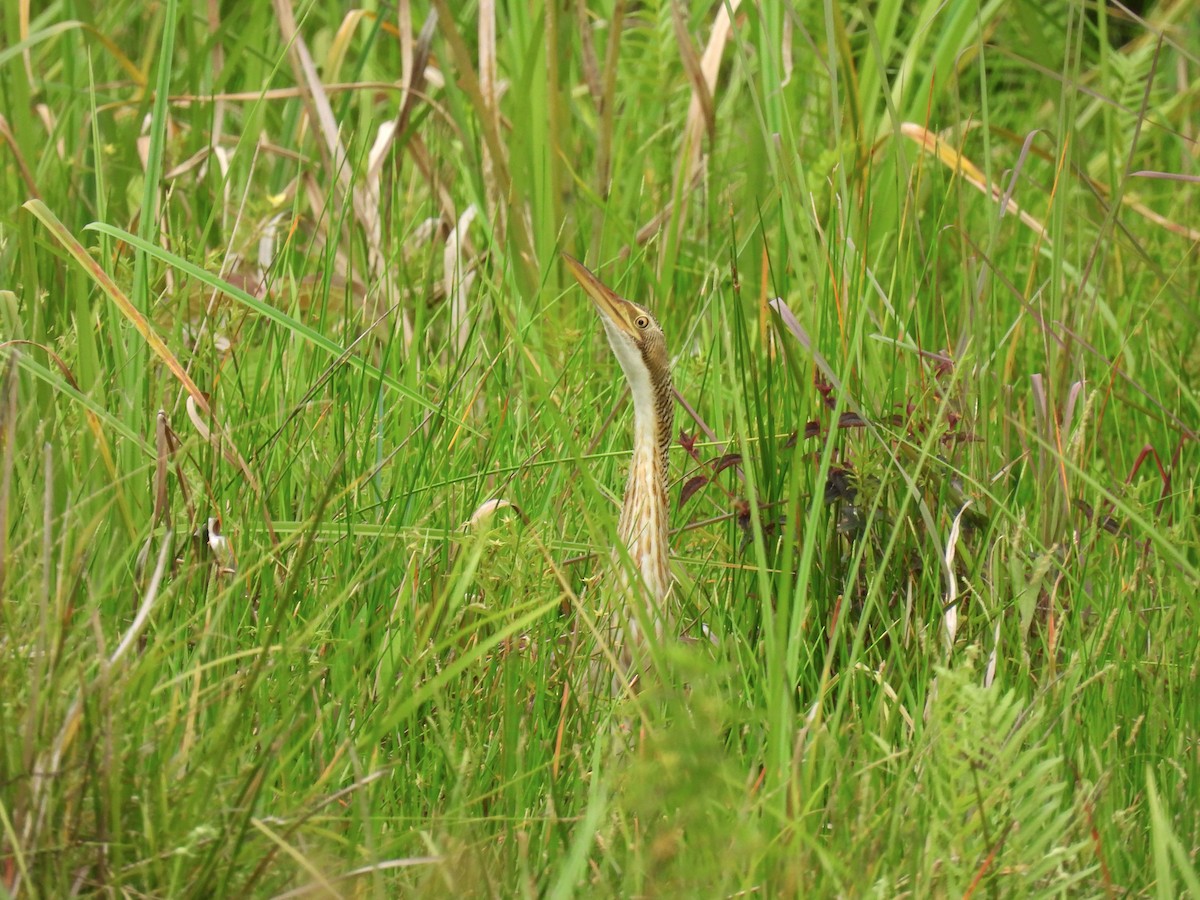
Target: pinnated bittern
column 638, row 343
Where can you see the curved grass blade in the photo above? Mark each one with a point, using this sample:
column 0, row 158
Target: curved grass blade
column 161, row 350
column 268, row 311
column 96, row 272
column 45, row 34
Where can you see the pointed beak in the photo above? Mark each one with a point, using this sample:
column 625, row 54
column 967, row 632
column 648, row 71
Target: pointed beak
column 613, row 307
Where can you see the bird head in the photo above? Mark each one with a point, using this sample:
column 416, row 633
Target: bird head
column 633, row 332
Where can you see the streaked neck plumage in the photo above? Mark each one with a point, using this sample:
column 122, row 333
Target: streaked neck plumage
column 643, row 524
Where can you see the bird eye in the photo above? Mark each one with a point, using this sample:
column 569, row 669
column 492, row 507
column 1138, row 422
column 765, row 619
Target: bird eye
column 642, row 322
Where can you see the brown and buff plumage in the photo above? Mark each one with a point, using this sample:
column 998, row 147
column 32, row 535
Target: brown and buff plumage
column 638, row 343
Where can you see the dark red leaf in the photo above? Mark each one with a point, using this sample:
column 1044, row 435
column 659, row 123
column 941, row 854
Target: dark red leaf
column 960, row 437
column 729, row 459
column 690, row 487
column 825, row 389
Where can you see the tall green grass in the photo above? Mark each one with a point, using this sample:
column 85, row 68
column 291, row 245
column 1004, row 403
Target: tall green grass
column 927, row 269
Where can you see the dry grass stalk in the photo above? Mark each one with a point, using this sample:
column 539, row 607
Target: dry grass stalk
column 940, row 149
column 364, row 202
column 457, row 278
column 490, row 97
column 702, row 73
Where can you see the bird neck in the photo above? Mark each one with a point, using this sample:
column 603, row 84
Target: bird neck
column 643, row 525
column 653, row 419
